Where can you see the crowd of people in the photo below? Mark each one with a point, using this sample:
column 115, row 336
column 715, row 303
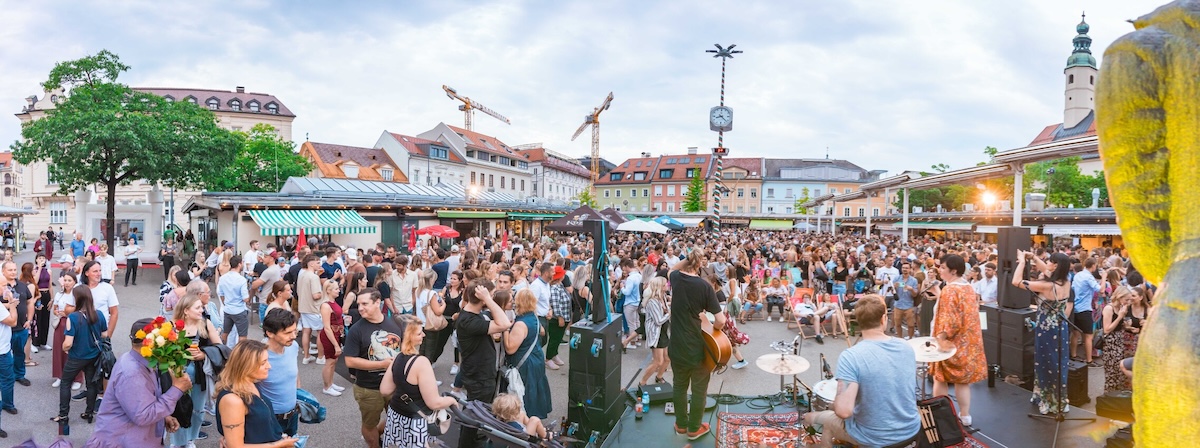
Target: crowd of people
column 503, row 310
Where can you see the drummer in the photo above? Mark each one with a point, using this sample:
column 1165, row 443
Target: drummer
column 874, row 405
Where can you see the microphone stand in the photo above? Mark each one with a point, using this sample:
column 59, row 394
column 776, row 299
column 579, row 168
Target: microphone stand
column 1059, row 416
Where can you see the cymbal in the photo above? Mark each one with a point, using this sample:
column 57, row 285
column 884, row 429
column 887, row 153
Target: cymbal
column 782, row 364
column 926, row 349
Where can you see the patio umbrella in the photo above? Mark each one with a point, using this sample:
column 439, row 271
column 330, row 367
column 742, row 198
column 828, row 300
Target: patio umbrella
column 638, row 225
column 669, row 222
column 804, row 226
column 614, row 216
column 439, row 231
column 301, row 241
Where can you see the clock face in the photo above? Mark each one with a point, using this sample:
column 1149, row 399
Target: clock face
column 721, row 116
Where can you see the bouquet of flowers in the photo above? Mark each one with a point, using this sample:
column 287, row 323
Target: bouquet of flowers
column 165, row 345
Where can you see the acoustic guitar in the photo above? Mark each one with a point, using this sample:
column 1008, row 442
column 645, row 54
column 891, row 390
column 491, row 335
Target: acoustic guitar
column 717, row 347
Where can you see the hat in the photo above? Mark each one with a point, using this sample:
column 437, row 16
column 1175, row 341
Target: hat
column 229, row 245
column 454, row 249
column 352, row 255
column 281, row 260
column 559, row 272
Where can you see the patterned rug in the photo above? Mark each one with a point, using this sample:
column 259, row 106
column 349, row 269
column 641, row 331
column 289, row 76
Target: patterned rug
column 757, row 430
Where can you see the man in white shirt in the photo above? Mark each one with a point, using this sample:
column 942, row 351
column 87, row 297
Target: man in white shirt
column 234, row 292
column 541, row 290
column 454, row 260
column 8, row 318
column 986, row 287
column 251, row 256
column 885, row 277
column 404, row 286
column 108, row 264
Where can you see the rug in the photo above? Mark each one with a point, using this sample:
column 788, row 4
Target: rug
column 757, row 430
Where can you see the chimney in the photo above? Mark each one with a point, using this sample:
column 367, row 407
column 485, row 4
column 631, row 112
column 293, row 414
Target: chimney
column 241, row 89
column 645, row 155
column 692, row 150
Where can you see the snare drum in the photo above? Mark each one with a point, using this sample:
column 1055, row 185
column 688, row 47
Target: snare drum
column 823, row 394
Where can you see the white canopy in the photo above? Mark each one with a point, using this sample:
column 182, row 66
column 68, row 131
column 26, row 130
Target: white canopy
column 638, row 225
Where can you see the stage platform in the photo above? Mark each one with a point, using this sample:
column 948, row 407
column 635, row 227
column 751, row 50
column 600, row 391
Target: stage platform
column 999, row 415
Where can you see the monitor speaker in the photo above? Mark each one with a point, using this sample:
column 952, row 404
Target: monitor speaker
column 1011, row 239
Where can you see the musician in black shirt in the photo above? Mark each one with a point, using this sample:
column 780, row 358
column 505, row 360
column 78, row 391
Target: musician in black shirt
column 691, row 297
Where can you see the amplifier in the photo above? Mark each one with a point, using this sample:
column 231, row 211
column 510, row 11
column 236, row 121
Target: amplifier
column 1115, row 405
column 1017, row 360
column 1077, row 383
column 659, row 392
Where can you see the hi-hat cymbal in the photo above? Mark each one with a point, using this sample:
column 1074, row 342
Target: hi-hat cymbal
column 926, row 349
column 782, row 364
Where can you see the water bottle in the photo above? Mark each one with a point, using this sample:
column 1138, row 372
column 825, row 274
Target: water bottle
column 645, row 401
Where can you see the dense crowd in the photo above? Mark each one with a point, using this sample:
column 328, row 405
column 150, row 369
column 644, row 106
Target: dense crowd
column 502, row 307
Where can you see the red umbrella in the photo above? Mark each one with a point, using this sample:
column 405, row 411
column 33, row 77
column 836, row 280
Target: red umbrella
column 504, row 239
column 412, row 239
column 301, row 241
column 439, row 231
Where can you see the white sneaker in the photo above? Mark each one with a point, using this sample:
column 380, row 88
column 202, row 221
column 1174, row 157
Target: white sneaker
column 454, row 369
column 56, row 382
column 768, row 318
column 312, row 349
column 551, row 365
column 76, row 385
column 47, row 348
column 558, row 361
column 331, row 392
column 966, row 420
column 308, row 359
column 338, row 388
column 320, row 361
column 439, row 382
column 631, row 345
column 34, row 349
column 191, row 445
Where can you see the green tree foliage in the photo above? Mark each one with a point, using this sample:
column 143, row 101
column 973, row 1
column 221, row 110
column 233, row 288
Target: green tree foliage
column 585, row 198
column 263, row 163
column 804, row 193
column 695, row 200
column 1064, row 184
column 105, row 133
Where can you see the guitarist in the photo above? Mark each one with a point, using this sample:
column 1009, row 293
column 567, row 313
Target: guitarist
column 691, row 297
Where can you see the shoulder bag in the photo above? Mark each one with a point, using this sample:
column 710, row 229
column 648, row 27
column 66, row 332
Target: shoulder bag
column 434, row 322
column 512, row 375
column 106, row 360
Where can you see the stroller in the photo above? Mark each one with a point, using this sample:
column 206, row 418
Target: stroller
column 477, row 414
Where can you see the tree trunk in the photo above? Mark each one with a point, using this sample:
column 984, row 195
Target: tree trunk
column 110, row 215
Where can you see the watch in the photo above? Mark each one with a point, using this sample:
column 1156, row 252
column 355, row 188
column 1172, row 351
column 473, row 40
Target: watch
column 720, row 118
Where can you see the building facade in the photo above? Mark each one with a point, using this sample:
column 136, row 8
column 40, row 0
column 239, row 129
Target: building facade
column 627, row 187
column 786, row 180
column 673, row 175
column 351, row 162
column 491, row 165
column 424, row 162
column 11, row 172
column 554, row 176
column 742, row 176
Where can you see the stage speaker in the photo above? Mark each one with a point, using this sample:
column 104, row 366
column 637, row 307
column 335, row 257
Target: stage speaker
column 1017, row 343
column 1115, row 405
column 659, row 392
column 595, row 418
column 991, row 335
column 594, row 389
column 595, row 348
column 1077, row 383
column 1010, row 240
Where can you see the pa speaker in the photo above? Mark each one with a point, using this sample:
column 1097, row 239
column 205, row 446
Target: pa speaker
column 595, row 348
column 1011, row 239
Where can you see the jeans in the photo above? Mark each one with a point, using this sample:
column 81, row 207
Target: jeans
column 750, row 308
column 199, row 398
column 72, row 368
column 695, row 376
column 19, row 338
column 290, row 425
column 131, row 266
column 6, row 377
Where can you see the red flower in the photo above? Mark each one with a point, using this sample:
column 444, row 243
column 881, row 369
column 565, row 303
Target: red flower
column 148, row 328
column 179, row 323
column 158, row 320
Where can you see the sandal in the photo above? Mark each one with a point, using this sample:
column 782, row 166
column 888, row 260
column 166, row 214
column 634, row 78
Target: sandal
column 31, row 363
column 659, row 379
column 59, row 419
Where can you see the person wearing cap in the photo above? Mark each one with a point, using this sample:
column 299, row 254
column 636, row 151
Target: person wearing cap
column 135, row 411
column 560, row 309
column 261, row 287
column 454, row 260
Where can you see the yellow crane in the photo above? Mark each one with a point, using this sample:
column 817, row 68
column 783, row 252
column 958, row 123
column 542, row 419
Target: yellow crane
column 469, row 107
column 593, row 120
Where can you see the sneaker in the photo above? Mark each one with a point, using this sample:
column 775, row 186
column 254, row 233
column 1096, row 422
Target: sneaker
column 439, row 382
column 34, row 349
column 558, row 361
column 312, row 349
column 203, row 435
column 631, row 345
column 699, row 433
column 205, row 424
column 76, row 385
column 56, row 382
column 551, row 365
column 965, row 419
column 338, row 388
column 679, row 430
column 740, row 364
column 454, row 369
column 820, row 340
column 79, row 396
column 459, row 395
column 768, row 318
column 320, row 361
column 1095, row 363
column 331, row 392
column 308, row 359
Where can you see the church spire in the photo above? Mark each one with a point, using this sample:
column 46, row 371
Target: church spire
column 1082, row 55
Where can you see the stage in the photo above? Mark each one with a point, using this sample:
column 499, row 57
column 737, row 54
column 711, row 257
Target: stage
column 999, row 414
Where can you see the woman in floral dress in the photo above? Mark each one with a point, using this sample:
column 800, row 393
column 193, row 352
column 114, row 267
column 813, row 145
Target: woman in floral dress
column 956, row 326
column 1050, row 335
column 1114, row 314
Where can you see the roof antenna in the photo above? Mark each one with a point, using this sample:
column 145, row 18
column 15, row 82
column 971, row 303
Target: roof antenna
column 306, row 136
column 826, row 153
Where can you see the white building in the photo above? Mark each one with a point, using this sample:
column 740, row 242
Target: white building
column 556, row 177
column 424, row 161
column 491, row 165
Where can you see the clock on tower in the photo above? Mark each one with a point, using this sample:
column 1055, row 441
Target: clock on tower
column 720, row 119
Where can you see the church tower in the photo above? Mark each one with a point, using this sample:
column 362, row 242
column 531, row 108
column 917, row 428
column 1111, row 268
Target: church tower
column 1081, row 75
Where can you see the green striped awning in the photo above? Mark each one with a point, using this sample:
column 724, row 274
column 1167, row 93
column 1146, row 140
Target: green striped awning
column 534, row 216
column 771, row 224
column 314, row 222
column 938, row 225
column 475, row 215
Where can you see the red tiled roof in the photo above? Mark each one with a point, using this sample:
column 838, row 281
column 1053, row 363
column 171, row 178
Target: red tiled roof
column 330, row 158
column 420, row 146
column 679, row 168
column 752, row 165
column 477, row 141
column 539, row 155
column 1049, row 133
column 628, row 168
column 224, row 96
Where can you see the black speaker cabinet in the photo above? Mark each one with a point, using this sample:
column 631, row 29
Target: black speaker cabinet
column 595, row 348
column 1077, row 383
column 595, row 418
column 991, row 333
column 1017, row 343
column 1010, row 240
column 1017, row 360
column 594, row 389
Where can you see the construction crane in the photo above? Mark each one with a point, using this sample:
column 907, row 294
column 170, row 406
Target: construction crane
column 469, row 107
column 593, row 120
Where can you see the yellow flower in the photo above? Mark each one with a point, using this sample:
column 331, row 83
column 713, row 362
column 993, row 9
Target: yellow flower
column 167, row 326
column 163, row 332
column 141, row 334
column 146, row 352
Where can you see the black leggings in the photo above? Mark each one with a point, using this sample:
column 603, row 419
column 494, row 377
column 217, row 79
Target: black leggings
column 131, row 268
column 776, row 301
column 42, row 320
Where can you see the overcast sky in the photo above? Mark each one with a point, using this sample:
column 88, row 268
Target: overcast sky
column 889, row 85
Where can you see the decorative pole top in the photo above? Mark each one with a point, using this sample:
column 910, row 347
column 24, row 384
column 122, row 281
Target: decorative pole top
column 1082, row 55
column 722, row 52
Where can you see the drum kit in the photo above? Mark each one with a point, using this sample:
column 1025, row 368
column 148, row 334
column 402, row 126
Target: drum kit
column 927, row 351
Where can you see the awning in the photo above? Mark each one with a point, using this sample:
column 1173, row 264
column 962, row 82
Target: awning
column 534, row 216
column 770, row 224
column 993, row 229
column 1081, row 229
column 314, row 222
column 473, row 215
column 938, row 225
column 693, row 222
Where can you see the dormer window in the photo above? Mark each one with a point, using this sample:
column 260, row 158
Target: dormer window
column 253, row 106
column 213, row 104
column 190, row 99
column 387, row 174
column 235, row 104
column 169, row 98
column 351, row 170
column 272, row 108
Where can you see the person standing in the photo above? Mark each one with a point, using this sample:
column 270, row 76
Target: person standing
column 64, row 304
column 441, row 267
column 131, row 260
column 475, row 333
column 541, row 290
column 885, row 278
column 59, row 237
column 524, row 353
column 404, row 286
column 78, row 247
column 252, row 256
column 331, row 337
column 1086, row 287
column 234, row 292
column 658, row 324
column 956, row 326
column 41, row 278
column 631, row 293
column 692, row 297
column 283, row 354
column 1050, row 333
column 412, row 386
column 83, row 326
column 904, row 309
column 167, row 254
column 20, row 332
column 309, row 297
column 987, row 286
column 8, row 319
column 108, row 264
column 560, row 309
column 371, row 346
column 202, row 333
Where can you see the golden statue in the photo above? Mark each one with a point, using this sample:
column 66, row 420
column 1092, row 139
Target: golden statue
column 1148, row 120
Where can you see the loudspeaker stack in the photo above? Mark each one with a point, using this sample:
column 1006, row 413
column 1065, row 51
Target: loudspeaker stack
column 594, row 398
column 1012, row 345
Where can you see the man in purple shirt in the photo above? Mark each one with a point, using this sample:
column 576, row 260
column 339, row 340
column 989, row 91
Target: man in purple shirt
column 134, row 411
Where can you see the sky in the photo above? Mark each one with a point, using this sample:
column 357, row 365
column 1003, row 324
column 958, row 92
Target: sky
column 889, row 85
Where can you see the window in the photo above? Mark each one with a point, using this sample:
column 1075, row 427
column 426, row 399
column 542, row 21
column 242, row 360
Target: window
column 190, row 99
column 387, row 174
column 788, row 193
column 7, row 192
column 658, row 190
column 618, row 193
column 740, row 209
column 351, row 170
column 875, row 212
column 692, row 172
column 235, row 105
column 753, row 209
column 523, row 165
column 684, row 160
column 606, row 193
column 1092, row 80
column 439, row 153
column 417, row 175
column 1070, row 79
column 7, row 179
column 671, row 161
column 862, row 212
column 641, row 175
column 522, row 184
column 816, row 193
column 666, row 174
column 615, row 176
column 741, row 192
column 638, row 164
column 505, row 161
column 491, row 180
column 169, row 98
column 645, row 192
column 670, row 190
column 789, row 210
column 472, row 178
column 253, row 105
column 501, row 181
column 770, row 209
column 754, row 192
column 213, row 104
column 633, row 192
column 770, row 193
column 670, row 206
column 846, row 211
column 58, row 213
column 273, row 108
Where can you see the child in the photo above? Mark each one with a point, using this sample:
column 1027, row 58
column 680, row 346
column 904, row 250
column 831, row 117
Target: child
column 507, row 407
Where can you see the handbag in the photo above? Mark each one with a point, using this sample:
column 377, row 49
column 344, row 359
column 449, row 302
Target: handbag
column 106, row 360
column 437, row 422
column 512, row 375
column 939, row 423
column 434, row 322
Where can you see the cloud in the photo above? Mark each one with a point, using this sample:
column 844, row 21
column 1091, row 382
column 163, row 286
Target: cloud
column 886, row 85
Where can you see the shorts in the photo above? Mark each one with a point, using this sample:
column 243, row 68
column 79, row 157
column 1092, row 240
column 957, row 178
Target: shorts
column 371, row 404
column 240, row 320
column 1083, row 320
column 312, row 321
column 632, row 317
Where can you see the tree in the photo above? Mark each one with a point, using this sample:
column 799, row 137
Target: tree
column 695, row 200
column 106, row 133
column 801, row 200
column 263, row 163
column 585, row 198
